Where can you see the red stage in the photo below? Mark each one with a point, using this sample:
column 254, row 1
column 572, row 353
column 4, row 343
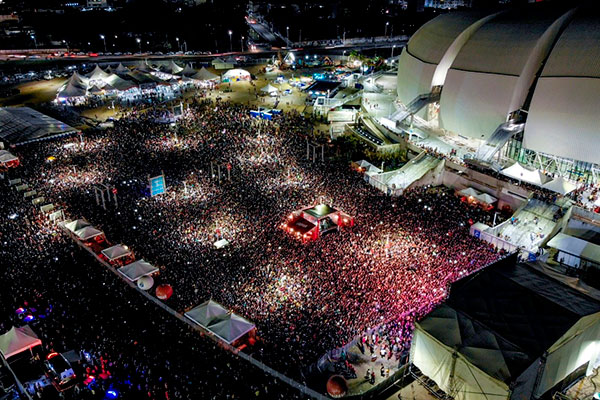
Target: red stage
column 312, row 222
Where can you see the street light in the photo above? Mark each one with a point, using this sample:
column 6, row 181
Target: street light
column 287, row 32
column 242, row 43
column 393, row 47
column 386, row 26
column 178, row 47
column 34, row 41
column 230, row 42
column 104, row 40
column 139, row 42
column 66, row 44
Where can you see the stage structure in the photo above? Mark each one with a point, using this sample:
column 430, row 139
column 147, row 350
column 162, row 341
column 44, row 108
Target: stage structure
column 312, row 222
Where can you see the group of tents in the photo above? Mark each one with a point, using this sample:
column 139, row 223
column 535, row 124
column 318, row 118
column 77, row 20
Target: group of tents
column 123, row 79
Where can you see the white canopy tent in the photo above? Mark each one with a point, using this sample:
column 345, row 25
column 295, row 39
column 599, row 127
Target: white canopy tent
column 6, row 156
column 469, row 192
column 560, row 185
column 520, row 173
column 269, row 89
column 204, row 75
column 230, row 327
column 206, row 313
column 88, row 232
column 137, row 269
column 18, row 340
column 76, row 225
column 486, row 198
column 116, row 252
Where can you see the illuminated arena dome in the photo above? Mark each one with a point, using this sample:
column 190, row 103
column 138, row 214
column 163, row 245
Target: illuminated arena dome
column 523, row 82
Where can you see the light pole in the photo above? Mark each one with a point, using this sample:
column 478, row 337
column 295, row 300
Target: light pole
column 230, row 42
column 66, row 44
column 393, row 47
column 386, row 26
column 242, row 43
column 104, row 40
column 139, row 42
column 178, row 47
column 34, row 41
column 287, row 33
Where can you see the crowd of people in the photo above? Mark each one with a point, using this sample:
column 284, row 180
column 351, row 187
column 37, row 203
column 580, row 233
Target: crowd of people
column 392, row 267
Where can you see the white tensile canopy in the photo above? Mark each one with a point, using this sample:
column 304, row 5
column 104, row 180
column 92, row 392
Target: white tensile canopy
column 231, row 327
column 469, row 192
column 71, row 90
column 116, row 252
column 205, row 75
column 173, row 68
column 486, row 198
column 17, row 340
column 97, row 74
column 518, row 172
column 188, row 70
column 88, row 232
column 121, row 69
column 6, row 156
column 76, row 225
column 560, row 185
column 206, row 313
column 137, row 269
column 269, row 89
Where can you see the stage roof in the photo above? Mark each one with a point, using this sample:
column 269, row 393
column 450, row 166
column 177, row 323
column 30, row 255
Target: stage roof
column 320, row 210
column 502, row 334
column 301, row 225
column 20, row 125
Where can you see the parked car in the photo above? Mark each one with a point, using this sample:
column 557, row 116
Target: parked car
column 59, row 371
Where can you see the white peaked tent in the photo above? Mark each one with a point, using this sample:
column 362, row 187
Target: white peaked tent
column 116, row 252
column 96, row 90
column 76, row 225
column 206, row 313
column 97, row 74
column 469, row 192
column 6, row 156
column 560, row 185
column 230, row 327
column 18, row 340
column 137, row 269
column 204, row 75
column 518, row 172
column 76, row 86
column 142, row 65
column 486, row 198
column 173, row 68
column 269, row 89
column 188, row 70
column 121, row 69
column 88, row 232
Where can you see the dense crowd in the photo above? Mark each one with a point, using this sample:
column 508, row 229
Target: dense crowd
column 393, row 266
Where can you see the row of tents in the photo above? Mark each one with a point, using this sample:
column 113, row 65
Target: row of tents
column 212, row 316
column 122, row 79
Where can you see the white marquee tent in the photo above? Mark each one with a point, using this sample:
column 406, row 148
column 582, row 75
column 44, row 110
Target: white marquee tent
column 560, row 185
column 116, row 252
column 572, row 250
column 18, row 340
column 519, row 172
column 137, row 269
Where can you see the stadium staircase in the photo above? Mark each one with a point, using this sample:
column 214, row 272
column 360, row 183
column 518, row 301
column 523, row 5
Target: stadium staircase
column 499, row 138
column 414, row 106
